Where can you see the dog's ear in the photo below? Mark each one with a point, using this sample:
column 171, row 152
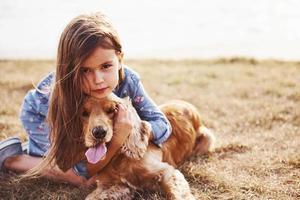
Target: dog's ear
column 137, row 143
column 127, row 99
column 115, row 98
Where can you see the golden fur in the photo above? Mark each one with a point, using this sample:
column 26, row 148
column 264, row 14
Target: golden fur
column 140, row 165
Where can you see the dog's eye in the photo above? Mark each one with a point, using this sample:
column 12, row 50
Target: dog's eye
column 111, row 110
column 85, row 114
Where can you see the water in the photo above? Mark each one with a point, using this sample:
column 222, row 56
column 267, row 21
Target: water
column 160, row 29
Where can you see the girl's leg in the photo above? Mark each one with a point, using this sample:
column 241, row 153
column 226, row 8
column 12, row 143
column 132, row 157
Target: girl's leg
column 12, row 158
column 23, row 163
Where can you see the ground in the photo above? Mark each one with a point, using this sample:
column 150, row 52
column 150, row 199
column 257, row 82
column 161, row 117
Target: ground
column 252, row 106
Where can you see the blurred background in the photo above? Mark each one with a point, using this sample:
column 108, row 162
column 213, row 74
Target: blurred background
column 252, row 105
column 168, row 29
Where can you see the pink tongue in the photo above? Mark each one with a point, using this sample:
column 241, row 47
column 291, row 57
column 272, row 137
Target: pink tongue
column 93, row 155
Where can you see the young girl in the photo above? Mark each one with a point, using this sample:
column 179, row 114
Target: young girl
column 89, row 63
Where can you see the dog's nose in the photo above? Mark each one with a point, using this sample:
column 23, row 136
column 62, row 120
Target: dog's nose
column 99, row 132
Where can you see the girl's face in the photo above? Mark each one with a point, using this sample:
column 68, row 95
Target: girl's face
column 101, row 72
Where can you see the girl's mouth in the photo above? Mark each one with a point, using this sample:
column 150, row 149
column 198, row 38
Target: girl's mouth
column 100, row 90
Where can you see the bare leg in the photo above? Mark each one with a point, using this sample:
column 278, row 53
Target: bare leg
column 23, row 163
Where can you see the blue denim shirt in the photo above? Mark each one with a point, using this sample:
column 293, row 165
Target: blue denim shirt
column 36, row 104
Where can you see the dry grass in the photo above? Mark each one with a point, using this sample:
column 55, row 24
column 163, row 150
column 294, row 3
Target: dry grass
column 253, row 107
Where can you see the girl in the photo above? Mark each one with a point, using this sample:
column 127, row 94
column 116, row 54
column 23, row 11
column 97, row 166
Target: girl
column 89, row 63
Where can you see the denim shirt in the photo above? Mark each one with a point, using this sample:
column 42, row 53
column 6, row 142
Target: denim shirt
column 36, row 104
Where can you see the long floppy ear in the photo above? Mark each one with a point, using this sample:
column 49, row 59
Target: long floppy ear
column 137, row 143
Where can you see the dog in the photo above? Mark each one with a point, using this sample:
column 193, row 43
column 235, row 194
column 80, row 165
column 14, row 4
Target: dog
column 140, row 164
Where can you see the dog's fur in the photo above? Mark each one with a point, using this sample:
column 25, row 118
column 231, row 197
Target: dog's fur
column 142, row 165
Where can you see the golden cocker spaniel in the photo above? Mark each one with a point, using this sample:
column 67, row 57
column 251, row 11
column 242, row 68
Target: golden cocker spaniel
column 141, row 165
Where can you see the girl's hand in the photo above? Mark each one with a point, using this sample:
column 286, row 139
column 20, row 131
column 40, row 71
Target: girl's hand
column 122, row 124
column 91, row 181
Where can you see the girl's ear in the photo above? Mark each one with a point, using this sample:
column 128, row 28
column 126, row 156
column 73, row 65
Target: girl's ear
column 120, row 55
column 120, row 58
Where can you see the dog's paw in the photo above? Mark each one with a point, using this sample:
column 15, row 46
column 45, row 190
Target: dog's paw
column 114, row 192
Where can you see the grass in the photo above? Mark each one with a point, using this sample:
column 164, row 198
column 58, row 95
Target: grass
column 253, row 106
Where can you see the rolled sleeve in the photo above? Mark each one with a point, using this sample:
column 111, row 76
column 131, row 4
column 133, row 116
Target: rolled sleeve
column 163, row 128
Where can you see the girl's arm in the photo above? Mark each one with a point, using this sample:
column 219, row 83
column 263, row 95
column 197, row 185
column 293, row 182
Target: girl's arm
column 149, row 111
column 33, row 114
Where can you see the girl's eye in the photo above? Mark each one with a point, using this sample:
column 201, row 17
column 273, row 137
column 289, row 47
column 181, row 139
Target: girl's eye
column 85, row 70
column 85, row 114
column 106, row 66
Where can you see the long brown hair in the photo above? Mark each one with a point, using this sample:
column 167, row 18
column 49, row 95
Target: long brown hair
column 81, row 36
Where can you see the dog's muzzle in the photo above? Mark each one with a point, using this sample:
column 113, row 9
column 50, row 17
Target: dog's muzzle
column 99, row 132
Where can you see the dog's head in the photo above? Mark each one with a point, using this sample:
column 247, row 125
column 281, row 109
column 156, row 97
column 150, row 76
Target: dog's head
column 97, row 118
column 98, row 121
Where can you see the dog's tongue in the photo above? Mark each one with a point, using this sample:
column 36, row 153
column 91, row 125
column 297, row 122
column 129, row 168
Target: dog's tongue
column 95, row 154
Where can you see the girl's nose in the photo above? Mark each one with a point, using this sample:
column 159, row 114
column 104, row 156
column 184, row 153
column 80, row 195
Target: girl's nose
column 98, row 76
